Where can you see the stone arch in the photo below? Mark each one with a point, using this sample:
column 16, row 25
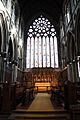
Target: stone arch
column 42, row 28
column 3, row 33
column 77, row 26
column 3, row 38
column 71, row 48
column 31, row 20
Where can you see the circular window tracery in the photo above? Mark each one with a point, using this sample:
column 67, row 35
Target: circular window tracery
column 41, row 25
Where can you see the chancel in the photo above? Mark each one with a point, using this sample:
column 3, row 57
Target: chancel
column 39, row 59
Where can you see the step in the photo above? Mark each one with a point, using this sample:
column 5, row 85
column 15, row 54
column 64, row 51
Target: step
column 37, row 115
column 41, row 112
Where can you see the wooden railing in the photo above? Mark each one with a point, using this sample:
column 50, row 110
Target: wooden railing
column 42, row 88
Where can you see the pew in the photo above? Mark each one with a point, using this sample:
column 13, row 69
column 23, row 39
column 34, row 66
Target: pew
column 12, row 94
column 1, row 87
column 24, row 95
column 19, row 94
column 29, row 91
column 57, row 94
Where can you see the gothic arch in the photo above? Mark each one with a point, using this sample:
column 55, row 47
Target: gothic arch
column 3, row 38
column 77, row 26
column 42, row 48
column 3, row 33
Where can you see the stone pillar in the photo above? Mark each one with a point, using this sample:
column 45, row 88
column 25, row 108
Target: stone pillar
column 75, row 71
column 14, row 73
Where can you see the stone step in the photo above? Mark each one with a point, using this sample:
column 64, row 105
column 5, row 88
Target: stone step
column 39, row 115
column 41, row 112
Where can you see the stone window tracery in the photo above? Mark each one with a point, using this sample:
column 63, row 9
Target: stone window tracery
column 42, row 49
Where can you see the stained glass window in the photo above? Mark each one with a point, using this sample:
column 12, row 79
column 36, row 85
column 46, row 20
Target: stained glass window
column 42, row 49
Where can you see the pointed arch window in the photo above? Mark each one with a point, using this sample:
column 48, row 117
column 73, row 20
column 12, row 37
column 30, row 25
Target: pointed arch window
column 42, row 49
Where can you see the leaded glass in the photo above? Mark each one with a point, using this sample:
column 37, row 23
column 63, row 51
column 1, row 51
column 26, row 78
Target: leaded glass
column 42, row 49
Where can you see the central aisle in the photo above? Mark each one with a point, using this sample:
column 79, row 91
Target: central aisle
column 40, row 109
column 41, row 103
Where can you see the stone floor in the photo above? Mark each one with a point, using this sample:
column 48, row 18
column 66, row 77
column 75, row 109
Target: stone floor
column 41, row 103
column 40, row 108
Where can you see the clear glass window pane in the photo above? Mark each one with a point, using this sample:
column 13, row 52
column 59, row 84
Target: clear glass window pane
column 48, row 52
column 40, row 53
column 56, row 52
column 44, row 52
column 32, row 52
column 36, row 52
column 52, row 51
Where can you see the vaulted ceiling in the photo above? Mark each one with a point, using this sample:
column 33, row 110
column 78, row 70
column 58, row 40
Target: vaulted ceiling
column 30, row 8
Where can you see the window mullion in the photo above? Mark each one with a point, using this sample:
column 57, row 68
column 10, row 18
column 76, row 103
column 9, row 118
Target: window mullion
column 54, row 52
column 38, row 50
column 34, row 52
column 46, row 50
column 42, row 49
